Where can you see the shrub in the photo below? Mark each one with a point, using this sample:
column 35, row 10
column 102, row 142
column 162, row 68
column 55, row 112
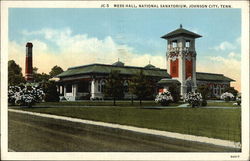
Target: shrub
column 175, row 92
column 204, row 102
column 193, row 98
column 238, row 100
column 164, row 98
column 227, row 96
column 26, row 95
column 50, row 90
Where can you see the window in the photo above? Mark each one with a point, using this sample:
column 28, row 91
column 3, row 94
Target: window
column 126, row 89
column 216, row 89
column 174, row 44
column 189, row 68
column 187, row 44
column 174, row 68
column 101, row 85
column 69, row 88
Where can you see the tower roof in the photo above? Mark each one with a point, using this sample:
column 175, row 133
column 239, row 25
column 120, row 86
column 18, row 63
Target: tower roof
column 181, row 32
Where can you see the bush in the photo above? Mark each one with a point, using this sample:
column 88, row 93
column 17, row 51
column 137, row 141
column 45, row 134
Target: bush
column 204, row 102
column 232, row 91
column 238, row 100
column 50, row 90
column 175, row 92
column 164, row 98
column 227, row 96
column 193, row 98
column 26, row 95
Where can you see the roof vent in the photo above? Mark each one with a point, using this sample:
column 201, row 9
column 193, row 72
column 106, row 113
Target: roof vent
column 149, row 66
column 118, row 63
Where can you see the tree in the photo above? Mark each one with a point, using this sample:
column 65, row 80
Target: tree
column 174, row 89
column 40, row 77
column 204, row 90
column 50, row 90
column 15, row 75
column 55, row 71
column 141, row 86
column 114, row 86
column 151, row 86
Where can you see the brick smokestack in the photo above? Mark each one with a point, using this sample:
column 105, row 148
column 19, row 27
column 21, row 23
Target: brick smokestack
column 28, row 63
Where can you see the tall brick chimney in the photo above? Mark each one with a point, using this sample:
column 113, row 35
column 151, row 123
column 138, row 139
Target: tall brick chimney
column 28, row 63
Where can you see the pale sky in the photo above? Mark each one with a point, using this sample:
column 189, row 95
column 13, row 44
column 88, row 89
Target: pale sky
column 72, row 37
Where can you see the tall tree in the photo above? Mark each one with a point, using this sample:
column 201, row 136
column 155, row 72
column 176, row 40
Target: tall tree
column 15, row 75
column 114, row 86
column 55, row 71
column 141, row 86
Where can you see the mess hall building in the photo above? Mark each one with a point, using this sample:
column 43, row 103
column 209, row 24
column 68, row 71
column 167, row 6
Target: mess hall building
column 88, row 81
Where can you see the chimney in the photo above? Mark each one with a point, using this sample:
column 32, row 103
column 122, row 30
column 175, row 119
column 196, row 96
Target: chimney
column 28, row 63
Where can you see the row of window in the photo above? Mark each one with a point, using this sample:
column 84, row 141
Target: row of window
column 86, row 86
column 217, row 89
column 174, row 43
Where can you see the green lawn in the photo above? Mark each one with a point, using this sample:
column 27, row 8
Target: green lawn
column 125, row 103
column 216, row 123
column 102, row 103
column 224, row 104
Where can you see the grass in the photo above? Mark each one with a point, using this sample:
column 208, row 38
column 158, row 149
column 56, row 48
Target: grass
column 216, row 123
column 102, row 103
column 28, row 134
column 224, row 104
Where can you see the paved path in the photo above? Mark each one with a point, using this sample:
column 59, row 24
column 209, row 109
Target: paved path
column 184, row 105
column 172, row 140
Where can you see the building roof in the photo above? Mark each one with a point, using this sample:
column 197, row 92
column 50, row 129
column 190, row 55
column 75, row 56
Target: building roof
column 181, row 32
column 212, row 77
column 168, row 81
column 106, row 69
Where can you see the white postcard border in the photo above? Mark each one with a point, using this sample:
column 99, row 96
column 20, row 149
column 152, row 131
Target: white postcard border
column 118, row 155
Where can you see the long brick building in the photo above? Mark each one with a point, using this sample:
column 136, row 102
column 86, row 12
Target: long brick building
column 88, row 81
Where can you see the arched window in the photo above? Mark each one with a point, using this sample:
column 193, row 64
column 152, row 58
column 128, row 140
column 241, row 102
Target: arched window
column 125, row 84
column 219, row 89
column 101, row 85
column 214, row 89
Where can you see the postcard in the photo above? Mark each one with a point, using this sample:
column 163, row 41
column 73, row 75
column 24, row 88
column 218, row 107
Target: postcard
column 125, row 80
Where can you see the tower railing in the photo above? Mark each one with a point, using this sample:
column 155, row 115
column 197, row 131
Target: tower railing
column 177, row 49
